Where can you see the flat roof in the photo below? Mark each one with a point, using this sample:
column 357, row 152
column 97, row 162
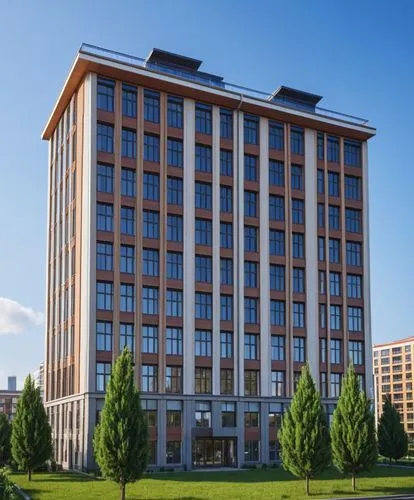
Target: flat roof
column 162, row 56
column 407, row 340
column 295, row 94
column 132, row 69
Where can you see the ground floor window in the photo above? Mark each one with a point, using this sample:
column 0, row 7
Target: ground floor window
column 273, row 451
column 215, row 452
column 173, row 455
column 251, row 450
column 152, row 452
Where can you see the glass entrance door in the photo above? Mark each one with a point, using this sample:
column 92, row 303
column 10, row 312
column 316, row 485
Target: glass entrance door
column 214, row 452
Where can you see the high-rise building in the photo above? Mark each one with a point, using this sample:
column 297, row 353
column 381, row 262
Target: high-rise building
column 9, row 397
column 221, row 233
column 11, row 383
column 393, row 375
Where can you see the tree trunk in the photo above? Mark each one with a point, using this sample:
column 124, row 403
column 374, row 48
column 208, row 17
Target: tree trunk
column 122, row 486
column 353, row 482
column 390, row 461
column 29, row 472
column 307, row 485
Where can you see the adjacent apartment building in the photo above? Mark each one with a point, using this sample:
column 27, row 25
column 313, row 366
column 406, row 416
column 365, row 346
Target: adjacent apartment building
column 221, row 233
column 393, row 375
column 9, row 397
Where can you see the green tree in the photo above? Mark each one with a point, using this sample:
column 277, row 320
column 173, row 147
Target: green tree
column 121, row 437
column 353, row 439
column 5, row 435
column 392, row 438
column 304, row 436
column 31, row 434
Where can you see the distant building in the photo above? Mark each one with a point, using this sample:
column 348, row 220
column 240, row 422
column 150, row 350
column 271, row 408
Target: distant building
column 38, row 377
column 11, row 384
column 8, row 398
column 393, row 375
column 221, row 233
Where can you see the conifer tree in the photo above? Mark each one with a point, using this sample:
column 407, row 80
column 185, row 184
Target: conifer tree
column 353, row 439
column 392, row 438
column 121, row 437
column 5, row 435
column 31, row 434
column 304, row 436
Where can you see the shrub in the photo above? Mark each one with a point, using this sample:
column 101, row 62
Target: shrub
column 6, row 485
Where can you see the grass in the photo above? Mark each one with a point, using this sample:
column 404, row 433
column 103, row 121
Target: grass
column 244, row 485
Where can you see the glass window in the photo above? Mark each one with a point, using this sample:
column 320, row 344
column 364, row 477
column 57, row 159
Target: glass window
column 226, row 381
column 296, row 177
column 334, row 251
column 127, row 297
column 151, row 187
column 202, row 343
column 298, row 212
column 335, row 389
column 250, row 168
column 104, row 178
column 203, row 196
column 251, row 382
column 127, row 259
column 276, row 242
column 203, row 381
column 126, row 336
column 149, row 378
column 298, row 280
column 298, row 246
column 174, row 191
column 321, row 215
column 251, row 450
column 128, row 182
column 151, row 106
column 251, row 129
column 322, row 282
column 103, row 374
column 226, row 123
column 174, row 303
column 174, row 414
column 334, row 217
column 333, row 149
column 356, row 352
column 129, row 143
column 296, row 141
column 128, row 220
column 322, row 316
column 129, row 100
column 174, row 265
column 276, row 136
column 226, row 308
column 333, row 184
column 173, row 379
column 105, row 94
column 151, row 148
column 104, row 295
column 278, row 348
column 150, row 262
column 226, row 345
column 298, row 349
column 320, row 146
column 250, row 204
column 175, row 152
column 228, row 414
column 203, row 162
column 353, row 188
column 336, row 351
column 353, row 220
column 298, row 313
column 352, row 153
column 175, row 112
column 250, row 239
column 355, row 319
column 203, row 118
column 353, row 253
column 335, row 317
column 321, row 249
column 321, row 182
column 105, row 138
column 354, row 286
column 335, row 284
column 277, row 277
column 104, row 256
column 149, row 300
column 203, row 269
column 226, row 235
column 276, row 207
column 276, row 173
column 151, row 224
column 226, row 271
column 174, row 228
column 251, row 310
column 203, row 230
column 203, row 305
column 149, row 339
column 277, row 313
column 203, row 414
column 323, row 347
column 174, row 340
column 250, row 274
column 104, row 336
column 226, row 162
column 226, row 199
column 251, row 346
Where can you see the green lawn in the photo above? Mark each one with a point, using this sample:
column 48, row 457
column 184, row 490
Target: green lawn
column 246, row 484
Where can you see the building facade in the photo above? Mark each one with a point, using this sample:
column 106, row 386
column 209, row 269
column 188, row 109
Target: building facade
column 221, row 233
column 39, row 379
column 393, row 375
column 9, row 398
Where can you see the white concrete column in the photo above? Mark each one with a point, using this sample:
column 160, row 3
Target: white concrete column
column 311, row 245
column 88, row 268
column 367, row 277
column 238, row 228
column 216, row 250
column 265, row 337
column 189, row 247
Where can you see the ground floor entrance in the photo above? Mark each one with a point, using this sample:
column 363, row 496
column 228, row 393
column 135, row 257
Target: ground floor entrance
column 215, row 452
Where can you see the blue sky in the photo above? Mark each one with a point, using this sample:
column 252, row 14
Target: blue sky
column 357, row 54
